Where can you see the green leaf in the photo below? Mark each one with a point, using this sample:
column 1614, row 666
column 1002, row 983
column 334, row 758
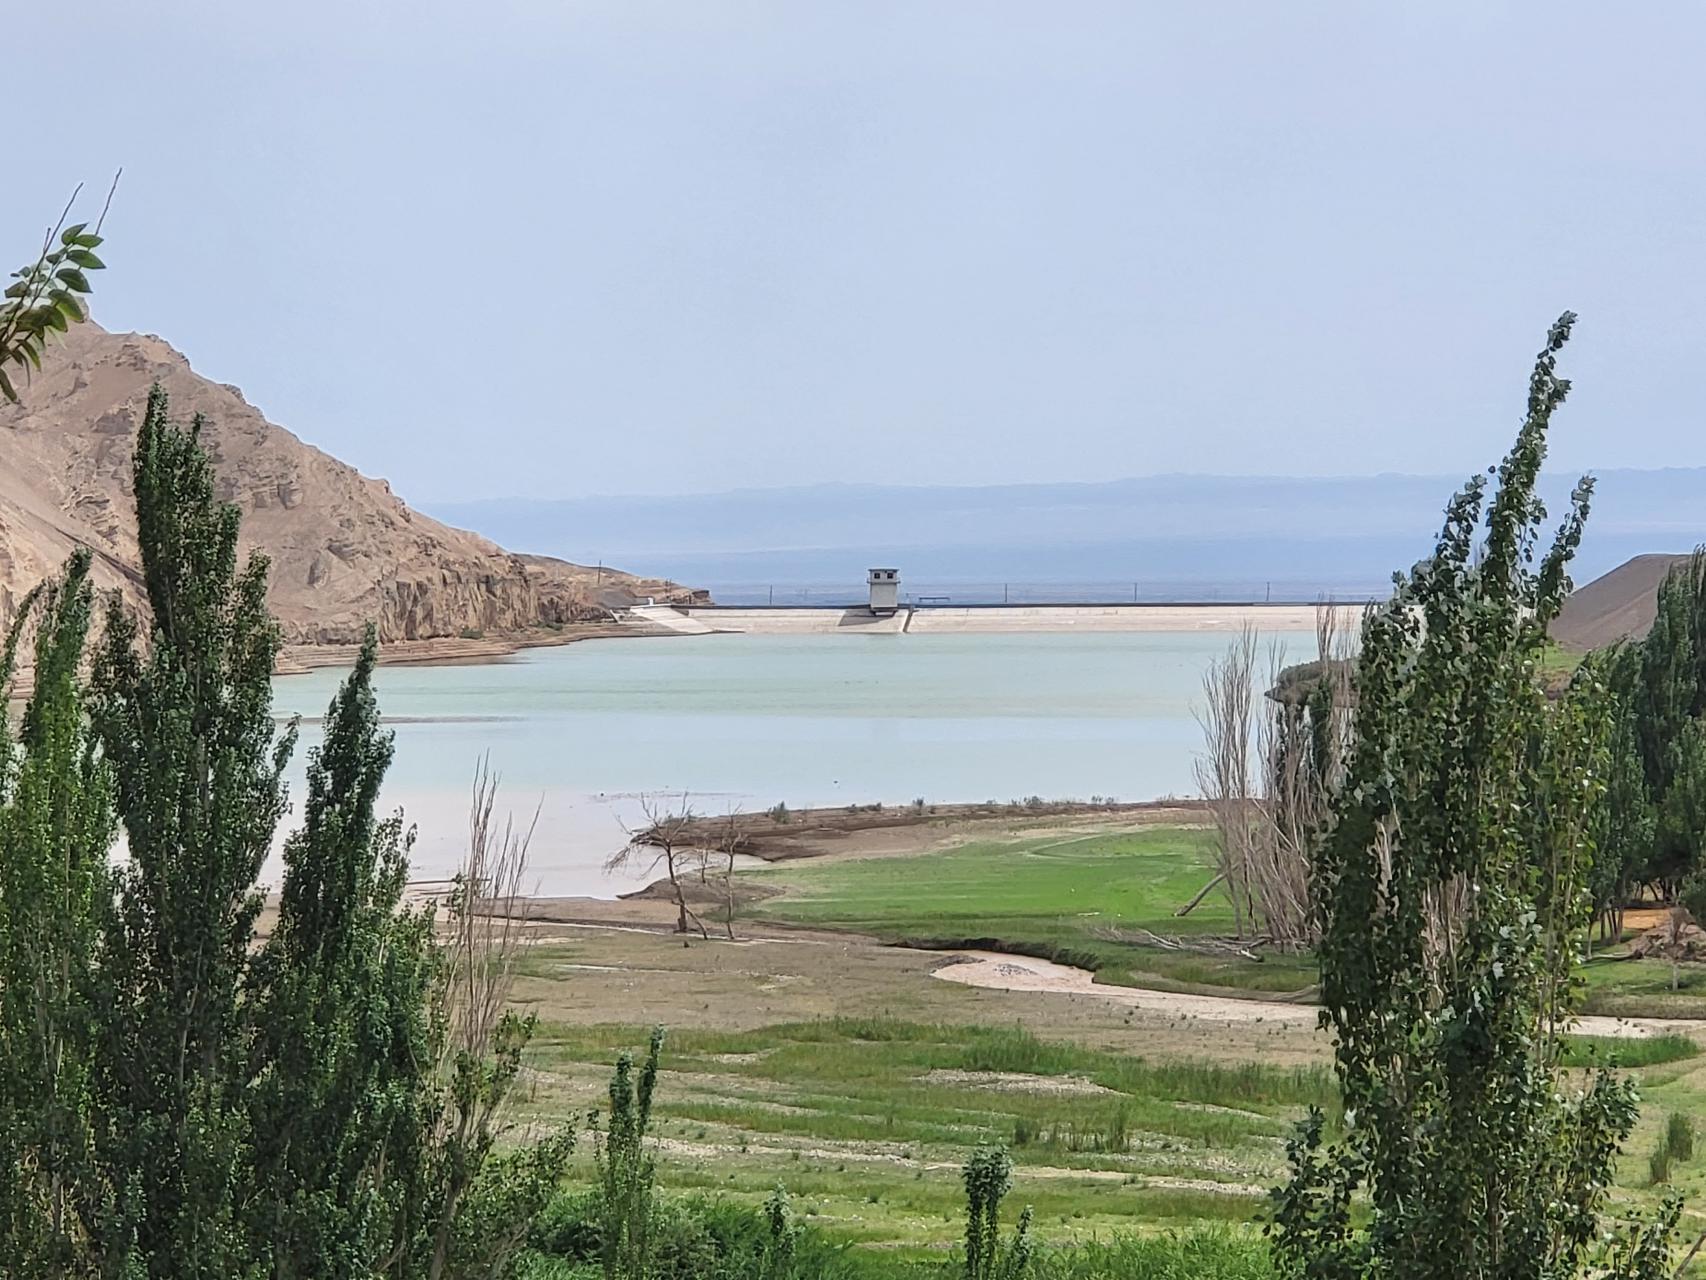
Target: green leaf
column 6, row 387
column 18, row 290
column 89, row 241
column 73, row 278
column 85, row 259
column 49, row 318
column 70, row 309
column 70, row 234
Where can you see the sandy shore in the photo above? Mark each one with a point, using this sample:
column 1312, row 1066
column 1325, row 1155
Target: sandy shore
column 866, row 831
column 452, row 650
column 998, row 972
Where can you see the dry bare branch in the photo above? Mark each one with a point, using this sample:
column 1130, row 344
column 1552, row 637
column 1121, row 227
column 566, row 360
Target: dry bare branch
column 667, row 840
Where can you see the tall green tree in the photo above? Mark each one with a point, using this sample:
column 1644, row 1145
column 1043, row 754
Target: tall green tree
column 56, row 826
column 1452, row 892
column 627, row 1170
column 342, row 1041
column 1625, row 821
column 1657, row 687
column 185, row 721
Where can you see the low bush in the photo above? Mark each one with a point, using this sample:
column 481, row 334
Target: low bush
column 1676, row 1146
column 693, row 1239
column 1623, row 1052
column 700, row 1239
column 1208, row 1254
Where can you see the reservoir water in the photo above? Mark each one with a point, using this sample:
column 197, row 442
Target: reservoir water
column 582, row 732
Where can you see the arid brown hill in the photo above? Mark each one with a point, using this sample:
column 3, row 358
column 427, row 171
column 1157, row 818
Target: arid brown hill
column 1619, row 605
column 344, row 548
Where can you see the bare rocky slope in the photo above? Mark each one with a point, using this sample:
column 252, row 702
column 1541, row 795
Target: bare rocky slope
column 344, row 548
column 1619, row 605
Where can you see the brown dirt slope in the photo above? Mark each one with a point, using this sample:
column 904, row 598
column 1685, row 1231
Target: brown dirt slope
column 344, row 548
column 1615, row 606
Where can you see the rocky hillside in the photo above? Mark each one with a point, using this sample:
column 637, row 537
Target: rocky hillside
column 1619, row 605
column 344, row 548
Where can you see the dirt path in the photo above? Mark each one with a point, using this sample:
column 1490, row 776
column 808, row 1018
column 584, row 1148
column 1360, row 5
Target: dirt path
column 994, row 971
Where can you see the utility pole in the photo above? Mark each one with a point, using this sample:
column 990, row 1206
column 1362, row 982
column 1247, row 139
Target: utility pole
column 772, row 595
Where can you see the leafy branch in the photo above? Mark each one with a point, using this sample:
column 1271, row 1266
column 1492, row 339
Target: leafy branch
column 46, row 296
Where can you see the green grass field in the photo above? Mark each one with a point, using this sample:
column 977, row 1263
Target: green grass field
column 868, row 1121
column 1055, row 896
column 1066, row 898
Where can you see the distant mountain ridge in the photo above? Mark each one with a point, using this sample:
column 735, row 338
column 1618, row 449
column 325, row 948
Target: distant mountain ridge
column 1162, row 536
column 345, row 549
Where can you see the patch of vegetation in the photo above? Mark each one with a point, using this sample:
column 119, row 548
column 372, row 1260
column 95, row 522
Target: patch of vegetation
column 1615, row 1051
column 1676, row 1146
column 717, row 1238
column 867, row 1121
column 1064, row 899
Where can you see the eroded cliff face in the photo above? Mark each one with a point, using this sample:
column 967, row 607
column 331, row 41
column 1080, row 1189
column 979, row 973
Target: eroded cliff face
column 344, row 548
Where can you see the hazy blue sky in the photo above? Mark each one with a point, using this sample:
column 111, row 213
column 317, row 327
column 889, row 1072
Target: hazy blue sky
column 545, row 247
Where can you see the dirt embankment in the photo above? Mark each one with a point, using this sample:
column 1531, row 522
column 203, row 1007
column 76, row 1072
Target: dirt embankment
column 781, row 834
column 448, row 650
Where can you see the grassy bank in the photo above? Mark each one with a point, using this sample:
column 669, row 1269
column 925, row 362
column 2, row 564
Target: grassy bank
column 1071, row 898
column 1064, row 897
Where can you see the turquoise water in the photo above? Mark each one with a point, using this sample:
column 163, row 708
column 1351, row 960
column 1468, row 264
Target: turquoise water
column 744, row 721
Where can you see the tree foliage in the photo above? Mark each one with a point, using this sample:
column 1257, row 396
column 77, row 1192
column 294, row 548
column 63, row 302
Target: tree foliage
column 46, row 296
column 627, row 1170
column 186, row 722
column 341, row 1047
column 1452, row 891
column 1656, row 803
column 176, row 1100
column 56, row 825
column 988, row 1176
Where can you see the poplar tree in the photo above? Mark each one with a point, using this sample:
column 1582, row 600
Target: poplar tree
column 56, row 825
column 1452, row 891
column 184, row 716
column 343, row 1047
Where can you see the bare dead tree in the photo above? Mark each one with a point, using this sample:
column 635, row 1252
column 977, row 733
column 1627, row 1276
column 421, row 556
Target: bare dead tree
column 1223, row 771
column 1296, row 740
column 728, row 844
column 487, row 916
column 1302, row 739
column 666, row 840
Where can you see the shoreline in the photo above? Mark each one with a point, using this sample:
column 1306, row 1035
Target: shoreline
column 873, row 830
column 448, row 651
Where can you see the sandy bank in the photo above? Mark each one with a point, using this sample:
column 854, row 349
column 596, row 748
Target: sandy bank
column 993, row 971
column 448, row 650
column 778, row 835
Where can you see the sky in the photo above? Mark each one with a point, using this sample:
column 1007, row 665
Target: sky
column 552, row 248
